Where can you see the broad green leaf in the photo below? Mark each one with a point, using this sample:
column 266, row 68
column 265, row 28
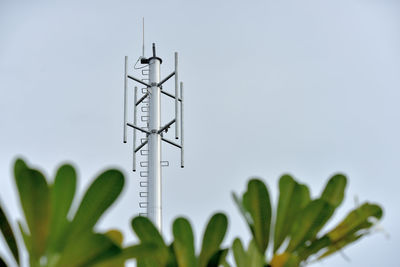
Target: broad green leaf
column 254, row 257
column 284, row 260
column 316, row 245
column 356, row 220
column 292, row 199
column 34, row 195
column 25, row 237
column 89, row 249
column 243, row 211
column 309, row 222
column 116, row 236
column 256, row 200
column 212, row 239
column 98, row 198
column 148, row 233
column 8, row 235
column 218, row 258
column 334, row 190
column 184, row 243
column 340, row 244
column 62, row 195
column 292, row 261
column 239, row 253
column 172, row 258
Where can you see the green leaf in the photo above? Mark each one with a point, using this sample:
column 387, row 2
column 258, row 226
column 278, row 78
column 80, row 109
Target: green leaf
column 148, row 233
column 98, row 198
column 254, row 257
column 292, row 199
column 334, row 190
column 256, row 200
column 246, row 215
column 310, row 221
column 239, row 253
column 356, row 220
column 25, row 237
column 62, row 195
column 218, row 258
column 184, row 243
column 116, row 236
column 8, row 235
column 212, row 239
column 89, row 248
column 34, row 195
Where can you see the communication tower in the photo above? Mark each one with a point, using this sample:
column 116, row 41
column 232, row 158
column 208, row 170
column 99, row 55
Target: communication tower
column 150, row 129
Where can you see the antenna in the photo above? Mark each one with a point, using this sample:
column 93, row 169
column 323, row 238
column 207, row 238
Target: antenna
column 151, row 129
column 143, row 38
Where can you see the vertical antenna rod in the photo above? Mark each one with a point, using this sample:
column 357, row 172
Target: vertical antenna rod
column 143, row 39
column 125, row 97
column 134, row 132
column 182, row 159
column 176, row 97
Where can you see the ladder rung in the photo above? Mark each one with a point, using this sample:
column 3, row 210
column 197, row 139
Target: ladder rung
column 144, row 164
column 144, row 174
column 144, row 184
column 143, row 204
column 164, row 163
column 144, row 90
column 144, row 152
column 145, row 72
column 145, row 109
column 143, row 214
column 143, row 194
column 144, row 118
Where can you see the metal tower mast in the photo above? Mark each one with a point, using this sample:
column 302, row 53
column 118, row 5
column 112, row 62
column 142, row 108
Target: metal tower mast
column 154, row 131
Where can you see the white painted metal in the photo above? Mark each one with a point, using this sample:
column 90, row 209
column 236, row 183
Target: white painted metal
column 176, row 97
column 125, row 95
column 154, row 144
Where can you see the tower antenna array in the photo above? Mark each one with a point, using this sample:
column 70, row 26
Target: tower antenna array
column 152, row 131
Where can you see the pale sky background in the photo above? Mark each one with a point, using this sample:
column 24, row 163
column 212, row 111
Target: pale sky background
column 306, row 87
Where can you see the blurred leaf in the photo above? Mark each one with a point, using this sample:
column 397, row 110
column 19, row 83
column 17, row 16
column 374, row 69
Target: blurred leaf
column 148, row 233
column 246, row 215
column 292, row 261
column 310, row 221
column 254, row 257
column 279, row 260
column 256, row 200
column 25, row 237
column 212, row 239
column 218, row 258
column 34, row 194
column 184, row 243
column 8, row 235
column 356, row 220
column 239, row 253
column 116, row 236
column 98, row 198
column 292, row 199
column 334, row 190
column 62, row 195
column 89, row 248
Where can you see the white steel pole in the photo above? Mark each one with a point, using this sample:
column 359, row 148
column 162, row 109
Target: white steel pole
column 154, row 157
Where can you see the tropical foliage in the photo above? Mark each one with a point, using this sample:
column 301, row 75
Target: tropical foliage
column 297, row 236
column 54, row 234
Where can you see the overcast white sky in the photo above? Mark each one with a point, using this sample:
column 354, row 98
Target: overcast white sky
column 306, row 87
